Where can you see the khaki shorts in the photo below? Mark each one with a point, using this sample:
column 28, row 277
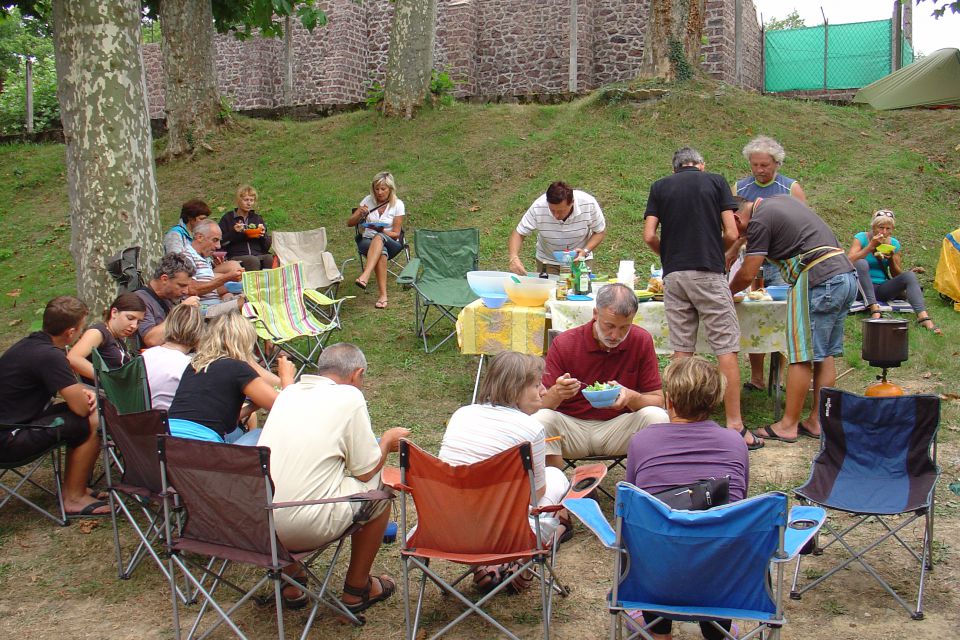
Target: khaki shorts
column 690, row 297
column 581, row 438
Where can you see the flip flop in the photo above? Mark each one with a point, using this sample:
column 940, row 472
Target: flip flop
column 362, row 285
column 749, row 386
column 773, row 435
column 803, row 431
column 380, row 304
column 88, row 511
column 757, row 442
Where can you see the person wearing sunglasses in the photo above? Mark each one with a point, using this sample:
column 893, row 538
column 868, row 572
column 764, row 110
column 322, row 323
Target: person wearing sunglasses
column 877, row 255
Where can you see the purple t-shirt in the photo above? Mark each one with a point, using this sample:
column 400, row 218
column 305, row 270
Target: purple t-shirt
column 666, row 455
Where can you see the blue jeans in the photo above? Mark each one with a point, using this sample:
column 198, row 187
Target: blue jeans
column 771, row 275
column 829, row 303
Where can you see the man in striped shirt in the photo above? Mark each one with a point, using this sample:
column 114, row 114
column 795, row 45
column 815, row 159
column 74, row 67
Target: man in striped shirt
column 564, row 219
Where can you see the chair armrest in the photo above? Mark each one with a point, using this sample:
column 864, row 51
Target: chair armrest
column 365, row 496
column 410, row 272
column 588, row 511
column 318, row 298
column 390, row 477
column 809, row 519
column 586, row 478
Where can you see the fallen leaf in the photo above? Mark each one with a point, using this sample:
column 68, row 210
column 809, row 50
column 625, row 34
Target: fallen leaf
column 949, row 396
column 15, row 293
column 14, row 323
column 86, row 526
column 475, row 207
column 926, row 375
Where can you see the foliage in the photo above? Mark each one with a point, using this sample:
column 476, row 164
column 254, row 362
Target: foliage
column 243, row 17
column 939, row 12
column 791, row 21
column 442, row 87
column 678, row 60
column 374, row 95
column 21, row 37
column 13, row 100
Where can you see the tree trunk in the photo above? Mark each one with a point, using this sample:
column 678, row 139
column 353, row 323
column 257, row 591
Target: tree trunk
column 103, row 106
column 192, row 99
column 674, row 32
column 410, row 60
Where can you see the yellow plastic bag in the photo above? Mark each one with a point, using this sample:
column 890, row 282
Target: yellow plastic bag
column 947, row 279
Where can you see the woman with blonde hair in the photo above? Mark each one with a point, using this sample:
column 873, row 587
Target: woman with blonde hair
column 208, row 402
column 380, row 216
column 166, row 362
column 245, row 237
column 503, row 417
column 881, row 273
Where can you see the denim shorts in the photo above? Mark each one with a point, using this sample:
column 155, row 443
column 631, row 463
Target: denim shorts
column 390, row 248
column 829, row 303
column 771, row 275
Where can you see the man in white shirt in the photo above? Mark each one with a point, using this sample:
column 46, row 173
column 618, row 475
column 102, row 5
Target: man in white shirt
column 323, row 446
column 565, row 220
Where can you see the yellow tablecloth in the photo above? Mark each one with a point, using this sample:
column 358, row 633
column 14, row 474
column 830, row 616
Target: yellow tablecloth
column 484, row 331
column 762, row 324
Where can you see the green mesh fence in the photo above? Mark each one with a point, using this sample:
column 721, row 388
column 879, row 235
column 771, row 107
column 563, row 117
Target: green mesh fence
column 841, row 56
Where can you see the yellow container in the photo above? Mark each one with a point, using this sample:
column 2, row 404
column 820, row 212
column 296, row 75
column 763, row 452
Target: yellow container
column 529, row 292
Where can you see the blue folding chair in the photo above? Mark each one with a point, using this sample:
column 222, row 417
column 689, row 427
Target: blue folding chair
column 878, row 458
column 698, row 565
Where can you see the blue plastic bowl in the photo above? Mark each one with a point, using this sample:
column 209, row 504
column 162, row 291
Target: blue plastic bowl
column 564, row 257
column 494, row 301
column 601, row 399
column 487, row 283
column 778, row 292
column 234, row 287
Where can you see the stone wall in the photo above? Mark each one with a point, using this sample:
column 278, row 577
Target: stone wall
column 494, row 49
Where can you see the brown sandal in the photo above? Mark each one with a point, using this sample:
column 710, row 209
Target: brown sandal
column 387, row 588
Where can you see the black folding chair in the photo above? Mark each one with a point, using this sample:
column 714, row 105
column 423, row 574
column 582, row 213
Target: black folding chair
column 23, row 472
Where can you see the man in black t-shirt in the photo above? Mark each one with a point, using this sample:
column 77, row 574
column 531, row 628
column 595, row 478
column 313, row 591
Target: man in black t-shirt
column 169, row 285
column 694, row 212
column 32, row 372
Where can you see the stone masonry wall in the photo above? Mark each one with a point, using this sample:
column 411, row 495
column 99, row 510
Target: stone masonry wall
column 494, row 49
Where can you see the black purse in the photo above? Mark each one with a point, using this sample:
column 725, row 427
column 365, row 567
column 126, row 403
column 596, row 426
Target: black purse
column 696, row 496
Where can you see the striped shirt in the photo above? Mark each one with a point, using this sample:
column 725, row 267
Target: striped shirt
column 585, row 220
column 750, row 189
column 204, row 274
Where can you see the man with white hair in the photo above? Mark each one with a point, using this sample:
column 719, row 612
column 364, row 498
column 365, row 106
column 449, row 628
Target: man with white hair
column 206, row 284
column 693, row 210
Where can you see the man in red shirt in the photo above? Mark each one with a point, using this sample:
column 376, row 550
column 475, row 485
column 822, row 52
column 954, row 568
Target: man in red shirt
column 609, row 348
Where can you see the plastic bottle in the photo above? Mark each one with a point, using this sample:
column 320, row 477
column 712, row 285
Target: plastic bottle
column 584, row 280
column 575, row 276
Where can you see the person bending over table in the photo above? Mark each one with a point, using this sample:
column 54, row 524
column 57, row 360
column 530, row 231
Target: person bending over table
column 609, row 348
column 32, row 372
column 688, row 449
column 169, row 286
column 765, row 156
column 564, row 219
column 212, row 390
column 165, row 363
column 120, row 322
column 253, row 253
column 822, row 283
column 381, row 216
column 881, row 275
column 509, row 395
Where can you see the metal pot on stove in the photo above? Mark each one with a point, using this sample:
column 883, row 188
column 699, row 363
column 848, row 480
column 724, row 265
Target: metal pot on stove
column 885, row 342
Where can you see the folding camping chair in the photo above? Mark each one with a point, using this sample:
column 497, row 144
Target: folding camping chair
column 878, row 458
column 321, row 277
column 703, row 566
column 477, row 514
column 128, row 389
column 24, row 471
column 227, row 493
column 439, row 277
column 275, row 304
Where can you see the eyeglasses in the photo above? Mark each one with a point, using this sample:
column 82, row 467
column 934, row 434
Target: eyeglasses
column 884, row 213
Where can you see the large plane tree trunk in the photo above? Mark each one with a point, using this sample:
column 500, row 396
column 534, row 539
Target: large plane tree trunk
column 192, row 99
column 674, row 32
column 110, row 171
column 410, row 60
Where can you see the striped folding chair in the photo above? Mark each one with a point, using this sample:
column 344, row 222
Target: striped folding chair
column 275, row 304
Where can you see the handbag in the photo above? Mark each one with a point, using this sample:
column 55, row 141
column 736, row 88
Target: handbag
column 696, row 496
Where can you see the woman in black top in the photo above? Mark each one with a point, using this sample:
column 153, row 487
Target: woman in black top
column 120, row 321
column 222, row 375
column 245, row 237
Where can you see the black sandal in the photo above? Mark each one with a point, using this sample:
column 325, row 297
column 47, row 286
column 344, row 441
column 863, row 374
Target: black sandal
column 933, row 328
column 387, row 588
column 875, row 313
column 299, row 602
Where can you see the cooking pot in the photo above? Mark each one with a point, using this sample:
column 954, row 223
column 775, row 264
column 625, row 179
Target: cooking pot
column 884, row 342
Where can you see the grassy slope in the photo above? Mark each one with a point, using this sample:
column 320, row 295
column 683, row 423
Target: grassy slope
column 496, row 159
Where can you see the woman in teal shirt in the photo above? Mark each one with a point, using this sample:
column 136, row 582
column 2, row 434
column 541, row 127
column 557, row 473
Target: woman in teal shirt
column 881, row 273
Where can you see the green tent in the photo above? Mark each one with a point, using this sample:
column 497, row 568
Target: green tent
column 933, row 81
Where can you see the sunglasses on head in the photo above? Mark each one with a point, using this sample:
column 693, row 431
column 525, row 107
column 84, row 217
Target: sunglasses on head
column 884, row 213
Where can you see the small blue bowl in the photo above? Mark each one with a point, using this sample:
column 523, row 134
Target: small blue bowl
column 494, row 301
column 778, row 292
column 233, row 287
column 601, row 399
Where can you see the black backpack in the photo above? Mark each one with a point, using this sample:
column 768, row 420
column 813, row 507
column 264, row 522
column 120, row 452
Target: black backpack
column 125, row 269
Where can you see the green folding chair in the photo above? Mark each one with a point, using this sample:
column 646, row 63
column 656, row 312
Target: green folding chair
column 439, row 277
column 126, row 388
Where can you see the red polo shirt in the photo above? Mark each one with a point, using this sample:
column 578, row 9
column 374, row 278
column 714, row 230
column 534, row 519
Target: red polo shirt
column 633, row 363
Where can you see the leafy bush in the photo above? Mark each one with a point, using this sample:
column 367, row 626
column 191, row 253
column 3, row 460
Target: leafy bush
column 13, row 100
column 441, row 89
column 374, row 95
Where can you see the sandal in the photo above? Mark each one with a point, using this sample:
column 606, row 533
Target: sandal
column 933, row 328
column 297, row 602
column 487, row 577
column 875, row 313
column 521, row 581
column 757, row 441
column 380, row 304
column 387, row 587
column 567, row 524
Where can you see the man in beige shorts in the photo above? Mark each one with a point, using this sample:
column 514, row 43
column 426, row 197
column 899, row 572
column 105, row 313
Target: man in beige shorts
column 694, row 211
column 609, row 348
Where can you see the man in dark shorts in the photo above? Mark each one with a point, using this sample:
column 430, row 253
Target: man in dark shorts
column 823, row 283
column 171, row 281
column 32, row 372
column 694, row 211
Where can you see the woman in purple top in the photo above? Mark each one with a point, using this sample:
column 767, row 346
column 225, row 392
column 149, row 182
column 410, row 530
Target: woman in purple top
column 690, row 448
